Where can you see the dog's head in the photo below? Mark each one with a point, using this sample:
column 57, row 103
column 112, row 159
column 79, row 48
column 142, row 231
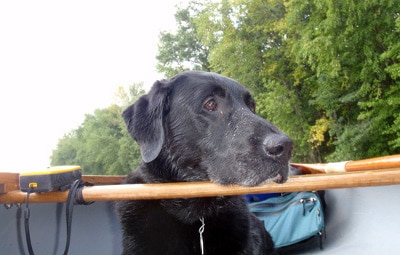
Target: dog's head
column 202, row 126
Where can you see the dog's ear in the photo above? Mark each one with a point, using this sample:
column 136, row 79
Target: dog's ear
column 144, row 120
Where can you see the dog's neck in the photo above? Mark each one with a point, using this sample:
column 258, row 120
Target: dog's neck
column 190, row 210
column 159, row 172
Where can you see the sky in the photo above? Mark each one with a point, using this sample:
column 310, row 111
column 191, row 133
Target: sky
column 60, row 60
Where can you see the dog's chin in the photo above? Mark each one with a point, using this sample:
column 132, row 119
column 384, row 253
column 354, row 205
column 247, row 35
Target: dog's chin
column 280, row 179
column 252, row 182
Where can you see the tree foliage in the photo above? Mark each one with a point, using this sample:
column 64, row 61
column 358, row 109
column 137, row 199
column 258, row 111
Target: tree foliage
column 182, row 51
column 101, row 144
column 348, row 46
column 325, row 72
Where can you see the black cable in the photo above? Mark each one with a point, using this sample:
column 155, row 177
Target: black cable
column 69, row 211
column 27, row 215
column 74, row 196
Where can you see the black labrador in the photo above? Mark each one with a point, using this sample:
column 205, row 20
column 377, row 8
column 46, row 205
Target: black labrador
column 200, row 126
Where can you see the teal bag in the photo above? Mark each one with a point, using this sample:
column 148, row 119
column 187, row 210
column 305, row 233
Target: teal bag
column 291, row 217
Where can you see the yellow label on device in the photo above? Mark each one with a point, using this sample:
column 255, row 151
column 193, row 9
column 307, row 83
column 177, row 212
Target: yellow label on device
column 52, row 170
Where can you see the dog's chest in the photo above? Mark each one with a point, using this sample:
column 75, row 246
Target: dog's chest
column 207, row 237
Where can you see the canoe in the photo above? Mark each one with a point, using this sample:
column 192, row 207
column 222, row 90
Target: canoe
column 360, row 219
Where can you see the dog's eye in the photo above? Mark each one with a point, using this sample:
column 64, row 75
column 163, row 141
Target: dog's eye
column 252, row 108
column 249, row 101
column 210, row 105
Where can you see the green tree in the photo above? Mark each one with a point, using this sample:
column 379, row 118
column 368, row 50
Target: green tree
column 101, row 144
column 182, row 50
column 352, row 49
column 67, row 149
column 235, row 47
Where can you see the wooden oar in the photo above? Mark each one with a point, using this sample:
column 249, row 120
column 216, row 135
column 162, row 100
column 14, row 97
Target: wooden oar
column 207, row 189
column 384, row 162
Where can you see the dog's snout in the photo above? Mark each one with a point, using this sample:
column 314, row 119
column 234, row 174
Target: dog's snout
column 278, row 146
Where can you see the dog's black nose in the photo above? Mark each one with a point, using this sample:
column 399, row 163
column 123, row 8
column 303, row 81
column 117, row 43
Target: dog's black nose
column 278, row 146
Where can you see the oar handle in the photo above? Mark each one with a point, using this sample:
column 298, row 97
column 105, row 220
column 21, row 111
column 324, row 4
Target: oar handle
column 320, row 168
column 374, row 163
column 384, row 162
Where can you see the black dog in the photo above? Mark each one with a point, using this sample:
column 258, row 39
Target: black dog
column 200, row 126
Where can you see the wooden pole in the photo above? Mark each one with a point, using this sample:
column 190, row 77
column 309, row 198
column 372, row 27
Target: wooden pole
column 206, row 189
